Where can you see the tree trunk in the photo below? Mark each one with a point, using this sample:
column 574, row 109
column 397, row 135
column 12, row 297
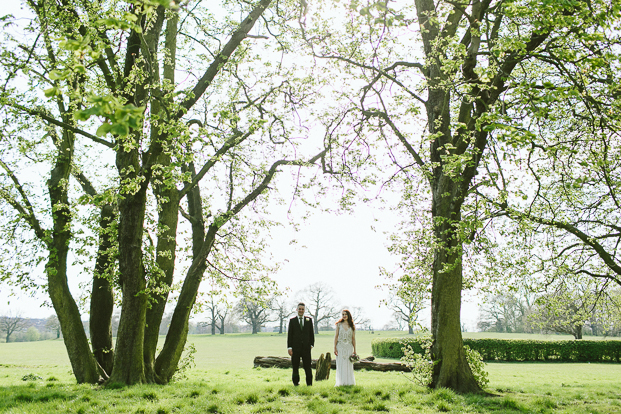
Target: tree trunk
column 451, row 369
column 167, row 360
column 410, row 330
column 162, row 277
column 102, row 295
column 323, row 366
column 82, row 360
column 129, row 353
column 168, row 199
column 578, row 331
column 316, row 326
column 135, row 172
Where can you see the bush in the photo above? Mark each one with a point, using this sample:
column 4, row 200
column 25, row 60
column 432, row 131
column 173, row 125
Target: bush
column 32, row 334
column 514, row 350
column 393, row 347
column 422, row 365
column 419, row 362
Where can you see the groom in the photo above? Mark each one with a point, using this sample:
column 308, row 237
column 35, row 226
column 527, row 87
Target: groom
column 300, row 340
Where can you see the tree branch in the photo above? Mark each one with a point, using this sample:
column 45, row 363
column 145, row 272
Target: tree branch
column 380, row 72
column 236, row 139
column 236, row 38
column 45, row 117
column 26, row 212
column 399, row 135
column 225, row 217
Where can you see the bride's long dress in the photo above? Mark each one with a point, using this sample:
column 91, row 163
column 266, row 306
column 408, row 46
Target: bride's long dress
column 344, row 367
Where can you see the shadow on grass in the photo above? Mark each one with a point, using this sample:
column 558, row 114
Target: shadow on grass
column 20, row 395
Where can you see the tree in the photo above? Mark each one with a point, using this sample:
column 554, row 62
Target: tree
column 222, row 318
column 606, row 321
column 405, row 310
column 471, row 52
column 567, row 308
column 112, row 70
column 319, row 300
column 53, row 325
column 283, row 309
column 506, row 312
column 9, row 324
column 255, row 312
column 562, row 132
column 32, row 334
column 409, row 285
column 217, row 309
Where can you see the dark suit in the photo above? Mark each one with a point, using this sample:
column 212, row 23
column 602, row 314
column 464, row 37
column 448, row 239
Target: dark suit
column 301, row 341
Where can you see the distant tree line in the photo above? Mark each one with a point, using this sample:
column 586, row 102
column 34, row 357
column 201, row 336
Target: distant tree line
column 222, row 313
column 15, row 328
column 587, row 309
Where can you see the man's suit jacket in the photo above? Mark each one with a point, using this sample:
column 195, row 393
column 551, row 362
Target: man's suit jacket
column 300, row 339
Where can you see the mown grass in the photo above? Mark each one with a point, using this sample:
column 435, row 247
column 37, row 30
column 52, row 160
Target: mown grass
column 225, row 382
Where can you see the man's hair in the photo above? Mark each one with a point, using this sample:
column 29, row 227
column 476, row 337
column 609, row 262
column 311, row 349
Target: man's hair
column 301, row 304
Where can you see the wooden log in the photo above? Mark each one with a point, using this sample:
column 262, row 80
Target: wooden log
column 323, row 365
column 367, row 363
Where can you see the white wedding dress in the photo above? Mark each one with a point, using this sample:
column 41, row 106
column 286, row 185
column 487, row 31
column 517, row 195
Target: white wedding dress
column 344, row 367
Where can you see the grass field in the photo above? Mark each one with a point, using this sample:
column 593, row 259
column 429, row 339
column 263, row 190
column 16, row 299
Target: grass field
column 223, row 381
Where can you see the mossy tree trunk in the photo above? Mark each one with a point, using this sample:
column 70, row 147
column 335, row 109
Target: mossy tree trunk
column 102, row 294
column 83, row 363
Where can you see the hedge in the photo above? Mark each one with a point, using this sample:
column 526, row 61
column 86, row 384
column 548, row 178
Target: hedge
column 516, row 349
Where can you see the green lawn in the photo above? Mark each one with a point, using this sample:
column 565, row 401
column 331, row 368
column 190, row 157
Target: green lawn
column 224, row 381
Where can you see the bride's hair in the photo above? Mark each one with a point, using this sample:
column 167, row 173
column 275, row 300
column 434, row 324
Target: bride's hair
column 350, row 320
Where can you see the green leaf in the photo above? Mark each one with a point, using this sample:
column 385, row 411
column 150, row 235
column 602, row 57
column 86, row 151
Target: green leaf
column 70, row 44
column 103, row 129
column 51, row 92
column 57, row 75
column 113, row 23
column 119, row 129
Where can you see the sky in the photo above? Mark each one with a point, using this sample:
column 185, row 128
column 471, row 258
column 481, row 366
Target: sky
column 345, row 252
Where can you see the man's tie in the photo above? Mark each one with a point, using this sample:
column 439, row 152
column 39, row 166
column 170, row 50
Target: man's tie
column 301, row 323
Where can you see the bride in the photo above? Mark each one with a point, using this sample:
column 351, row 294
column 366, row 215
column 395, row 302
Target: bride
column 344, row 348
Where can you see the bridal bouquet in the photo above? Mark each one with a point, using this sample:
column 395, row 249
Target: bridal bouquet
column 354, row 358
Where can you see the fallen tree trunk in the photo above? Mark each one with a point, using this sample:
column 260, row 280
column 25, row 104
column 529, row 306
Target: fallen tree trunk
column 367, row 363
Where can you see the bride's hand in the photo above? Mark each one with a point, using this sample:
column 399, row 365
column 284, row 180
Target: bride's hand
column 336, row 353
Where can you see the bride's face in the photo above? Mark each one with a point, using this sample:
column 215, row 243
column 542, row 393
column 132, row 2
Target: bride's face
column 344, row 315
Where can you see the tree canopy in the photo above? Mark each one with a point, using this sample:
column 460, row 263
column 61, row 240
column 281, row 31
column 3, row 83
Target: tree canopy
column 116, row 113
column 449, row 68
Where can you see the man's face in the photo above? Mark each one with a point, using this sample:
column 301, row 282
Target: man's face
column 301, row 310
